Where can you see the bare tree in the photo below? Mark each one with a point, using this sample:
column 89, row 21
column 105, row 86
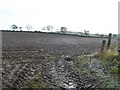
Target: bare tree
column 44, row 28
column 49, row 28
column 63, row 29
column 20, row 28
column 29, row 27
column 86, row 32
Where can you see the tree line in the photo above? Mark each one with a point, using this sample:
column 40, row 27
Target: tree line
column 49, row 28
column 46, row 28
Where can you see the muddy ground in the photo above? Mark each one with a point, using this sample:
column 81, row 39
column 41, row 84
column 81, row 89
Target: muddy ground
column 25, row 55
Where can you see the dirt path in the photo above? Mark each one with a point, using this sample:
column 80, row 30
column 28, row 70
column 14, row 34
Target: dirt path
column 60, row 72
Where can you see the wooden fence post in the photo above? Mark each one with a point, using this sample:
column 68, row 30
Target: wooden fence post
column 103, row 45
column 109, row 41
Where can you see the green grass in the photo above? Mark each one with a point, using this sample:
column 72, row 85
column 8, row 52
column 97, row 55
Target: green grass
column 37, row 82
column 109, row 61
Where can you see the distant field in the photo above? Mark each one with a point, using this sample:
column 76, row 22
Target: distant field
column 51, row 42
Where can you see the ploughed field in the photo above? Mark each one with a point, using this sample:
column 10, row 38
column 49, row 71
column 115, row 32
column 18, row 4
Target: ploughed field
column 53, row 56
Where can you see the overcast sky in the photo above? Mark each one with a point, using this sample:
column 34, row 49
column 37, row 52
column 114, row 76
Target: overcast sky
column 97, row 16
